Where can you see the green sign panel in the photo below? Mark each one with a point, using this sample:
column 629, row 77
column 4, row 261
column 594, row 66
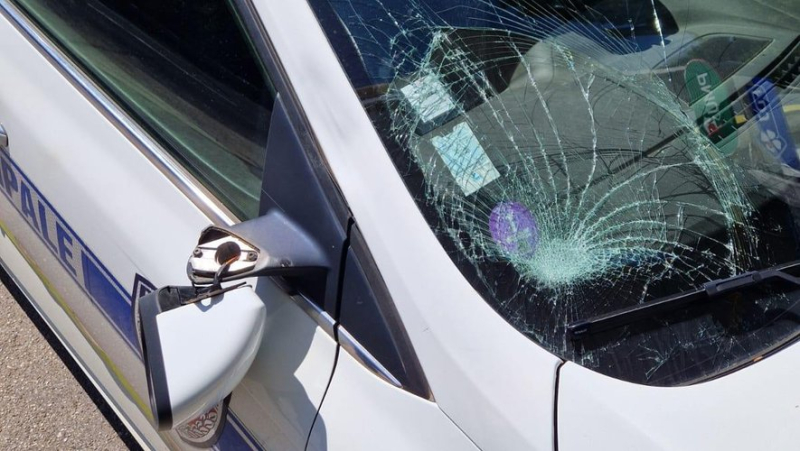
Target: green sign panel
column 711, row 105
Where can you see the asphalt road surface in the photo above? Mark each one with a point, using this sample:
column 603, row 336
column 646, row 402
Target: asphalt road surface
column 46, row 402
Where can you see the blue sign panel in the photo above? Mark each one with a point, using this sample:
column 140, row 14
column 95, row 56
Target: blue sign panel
column 774, row 135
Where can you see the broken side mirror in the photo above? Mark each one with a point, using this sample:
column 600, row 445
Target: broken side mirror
column 187, row 372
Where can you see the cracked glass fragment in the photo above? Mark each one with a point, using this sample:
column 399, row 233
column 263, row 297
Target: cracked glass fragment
column 579, row 157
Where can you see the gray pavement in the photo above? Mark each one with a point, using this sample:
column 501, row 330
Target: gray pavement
column 45, row 401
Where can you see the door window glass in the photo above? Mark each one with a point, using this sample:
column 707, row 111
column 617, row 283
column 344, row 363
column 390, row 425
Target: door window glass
column 187, row 72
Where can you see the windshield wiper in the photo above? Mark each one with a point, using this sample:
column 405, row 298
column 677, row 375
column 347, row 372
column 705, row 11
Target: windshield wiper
column 709, row 291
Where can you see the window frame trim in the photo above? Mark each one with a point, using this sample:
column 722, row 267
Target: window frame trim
column 417, row 381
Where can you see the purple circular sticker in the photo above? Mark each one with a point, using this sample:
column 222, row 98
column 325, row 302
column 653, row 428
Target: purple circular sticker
column 514, row 229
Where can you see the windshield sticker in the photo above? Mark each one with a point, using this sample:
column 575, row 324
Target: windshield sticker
column 465, row 158
column 514, row 229
column 577, row 158
column 773, row 129
column 429, row 97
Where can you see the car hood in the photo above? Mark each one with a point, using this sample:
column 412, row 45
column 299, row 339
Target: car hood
column 757, row 407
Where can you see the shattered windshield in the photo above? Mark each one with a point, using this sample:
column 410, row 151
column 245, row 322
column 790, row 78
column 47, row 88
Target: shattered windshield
column 578, row 157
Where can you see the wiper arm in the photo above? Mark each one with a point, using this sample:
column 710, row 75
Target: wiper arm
column 708, row 291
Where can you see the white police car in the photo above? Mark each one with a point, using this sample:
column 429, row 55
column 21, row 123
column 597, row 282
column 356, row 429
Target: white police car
column 410, row 225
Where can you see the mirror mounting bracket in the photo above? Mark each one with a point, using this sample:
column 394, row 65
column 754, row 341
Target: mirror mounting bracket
column 271, row 245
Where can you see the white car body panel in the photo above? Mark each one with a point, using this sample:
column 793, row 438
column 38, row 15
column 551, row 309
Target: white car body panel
column 497, row 385
column 363, row 412
column 278, row 402
column 757, row 407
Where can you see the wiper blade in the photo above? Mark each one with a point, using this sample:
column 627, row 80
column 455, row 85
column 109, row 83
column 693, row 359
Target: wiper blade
column 709, row 291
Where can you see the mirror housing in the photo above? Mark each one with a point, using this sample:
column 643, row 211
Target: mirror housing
column 192, row 355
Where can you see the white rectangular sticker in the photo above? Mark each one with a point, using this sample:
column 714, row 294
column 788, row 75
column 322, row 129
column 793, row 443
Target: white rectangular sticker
column 465, row 158
column 429, row 97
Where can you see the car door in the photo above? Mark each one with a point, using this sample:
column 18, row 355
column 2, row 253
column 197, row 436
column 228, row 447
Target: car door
column 131, row 127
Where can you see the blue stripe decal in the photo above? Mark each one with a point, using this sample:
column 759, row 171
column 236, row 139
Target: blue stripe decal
column 82, row 265
column 89, row 273
column 118, row 308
